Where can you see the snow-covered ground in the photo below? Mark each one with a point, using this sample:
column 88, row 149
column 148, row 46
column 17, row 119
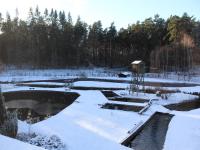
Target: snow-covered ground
column 100, row 84
column 12, row 144
column 44, row 83
column 184, row 131
column 13, row 75
column 190, row 89
column 85, row 125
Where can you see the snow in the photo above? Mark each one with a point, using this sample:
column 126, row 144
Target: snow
column 128, row 103
column 85, row 125
column 14, row 75
column 89, row 123
column 184, row 132
column 126, row 73
column 91, row 126
column 23, row 126
column 190, row 89
column 24, row 88
column 44, row 83
column 172, row 97
column 136, row 62
column 12, row 144
column 100, row 84
column 86, row 122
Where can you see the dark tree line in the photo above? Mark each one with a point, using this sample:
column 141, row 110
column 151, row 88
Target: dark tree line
column 182, row 51
column 51, row 39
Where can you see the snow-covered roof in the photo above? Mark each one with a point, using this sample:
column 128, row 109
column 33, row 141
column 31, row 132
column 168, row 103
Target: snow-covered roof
column 136, row 62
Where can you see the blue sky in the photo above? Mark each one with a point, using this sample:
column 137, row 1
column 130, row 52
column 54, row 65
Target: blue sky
column 122, row 12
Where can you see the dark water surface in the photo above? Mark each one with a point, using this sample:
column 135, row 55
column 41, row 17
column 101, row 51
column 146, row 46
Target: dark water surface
column 151, row 136
column 37, row 105
column 122, row 107
column 185, row 106
column 110, row 95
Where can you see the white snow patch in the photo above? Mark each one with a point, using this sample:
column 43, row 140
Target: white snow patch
column 100, row 84
column 44, row 83
column 190, row 89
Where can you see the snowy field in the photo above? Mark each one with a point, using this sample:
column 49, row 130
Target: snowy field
column 14, row 75
column 85, row 125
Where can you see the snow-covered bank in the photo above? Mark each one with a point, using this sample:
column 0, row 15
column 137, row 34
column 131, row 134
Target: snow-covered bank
column 191, row 89
column 184, row 131
column 172, row 98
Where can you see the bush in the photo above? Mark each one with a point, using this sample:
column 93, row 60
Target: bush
column 51, row 143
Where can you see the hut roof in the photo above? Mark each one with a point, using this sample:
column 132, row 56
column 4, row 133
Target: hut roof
column 136, row 62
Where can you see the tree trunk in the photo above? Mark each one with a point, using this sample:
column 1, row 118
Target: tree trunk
column 3, row 113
